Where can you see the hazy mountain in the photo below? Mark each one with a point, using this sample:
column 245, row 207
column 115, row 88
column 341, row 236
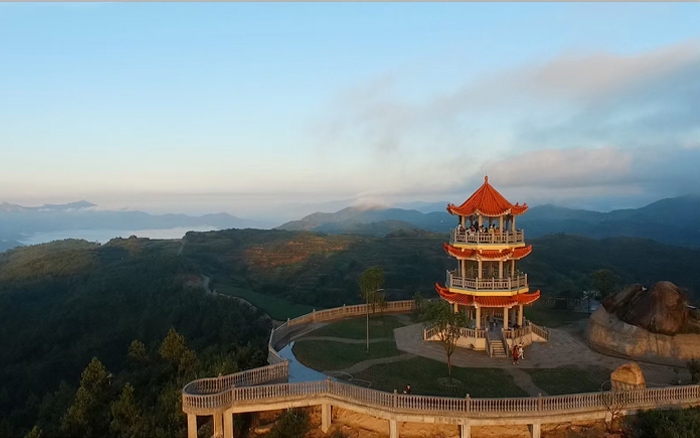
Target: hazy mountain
column 673, row 220
column 18, row 222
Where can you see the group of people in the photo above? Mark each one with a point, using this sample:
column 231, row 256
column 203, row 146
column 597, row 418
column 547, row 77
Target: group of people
column 518, row 353
column 474, row 229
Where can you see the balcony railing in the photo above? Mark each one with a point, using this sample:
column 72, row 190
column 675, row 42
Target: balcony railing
column 508, row 237
column 506, row 284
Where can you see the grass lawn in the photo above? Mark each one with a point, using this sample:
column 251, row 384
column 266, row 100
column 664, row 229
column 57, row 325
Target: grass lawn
column 422, row 374
column 354, row 328
column 553, row 317
column 278, row 308
column 569, row 379
column 328, row 355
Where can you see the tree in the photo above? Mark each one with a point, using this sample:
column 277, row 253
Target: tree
column 173, row 346
column 137, row 352
column 371, row 283
column 605, row 282
column 418, row 300
column 439, row 314
column 34, row 433
column 127, row 421
column 89, row 414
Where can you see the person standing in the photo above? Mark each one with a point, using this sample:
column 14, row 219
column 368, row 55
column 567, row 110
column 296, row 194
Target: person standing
column 516, row 355
column 521, row 351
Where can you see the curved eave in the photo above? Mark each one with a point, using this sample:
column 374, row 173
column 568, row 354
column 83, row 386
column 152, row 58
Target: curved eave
column 490, row 255
column 486, row 301
column 515, row 210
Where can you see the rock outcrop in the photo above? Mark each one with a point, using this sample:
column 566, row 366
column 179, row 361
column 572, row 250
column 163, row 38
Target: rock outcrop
column 646, row 324
column 627, row 377
column 662, row 309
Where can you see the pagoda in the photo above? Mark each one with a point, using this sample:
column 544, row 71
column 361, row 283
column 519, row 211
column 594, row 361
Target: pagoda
column 487, row 283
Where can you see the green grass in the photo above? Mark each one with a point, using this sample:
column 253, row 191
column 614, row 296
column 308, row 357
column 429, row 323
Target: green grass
column 569, row 379
column 354, row 328
column 423, row 374
column 327, row 355
column 553, row 317
column 278, row 308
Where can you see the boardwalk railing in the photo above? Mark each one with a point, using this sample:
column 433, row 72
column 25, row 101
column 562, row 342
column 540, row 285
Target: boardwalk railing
column 354, row 310
column 508, row 237
column 402, row 403
column 510, row 283
column 540, row 331
column 211, row 395
column 517, row 333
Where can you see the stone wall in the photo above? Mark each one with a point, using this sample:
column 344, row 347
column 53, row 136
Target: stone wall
column 607, row 334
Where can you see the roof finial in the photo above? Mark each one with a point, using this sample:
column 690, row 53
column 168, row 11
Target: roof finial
column 486, row 178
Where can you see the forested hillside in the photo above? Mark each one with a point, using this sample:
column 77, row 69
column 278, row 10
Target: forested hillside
column 61, row 304
column 65, row 303
column 322, row 270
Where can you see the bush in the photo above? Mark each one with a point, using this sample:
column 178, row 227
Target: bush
column 694, row 368
column 292, row 424
column 676, row 423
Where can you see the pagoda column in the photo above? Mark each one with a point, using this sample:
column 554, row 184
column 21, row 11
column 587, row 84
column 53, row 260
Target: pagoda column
column 520, row 315
column 505, row 318
column 512, row 268
column 481, row 221
column 500, row 223
column 456, row 308
column 478, row 317
column 462, row 221
column 500, row 269
column 513, row 224
column 478, row 274
column 463, row 264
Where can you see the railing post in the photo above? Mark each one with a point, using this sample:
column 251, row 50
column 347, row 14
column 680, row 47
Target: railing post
column 396, row 399
column 328, row 384
column 539, row 401
column 468, row 403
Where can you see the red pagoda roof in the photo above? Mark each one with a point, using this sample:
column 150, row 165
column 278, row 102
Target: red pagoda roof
column 465, row 253
column 486, row 301
column 488, row 202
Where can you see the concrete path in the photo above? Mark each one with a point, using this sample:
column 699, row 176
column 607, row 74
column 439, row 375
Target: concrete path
column 342, row 340
column 564, row 349
column 361, row 366
column 524, row 380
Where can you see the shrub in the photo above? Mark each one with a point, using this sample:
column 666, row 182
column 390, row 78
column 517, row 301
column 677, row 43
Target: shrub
column 292, row 424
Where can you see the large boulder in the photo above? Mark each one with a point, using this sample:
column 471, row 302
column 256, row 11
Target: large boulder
column 627, row 377
column 663, row 309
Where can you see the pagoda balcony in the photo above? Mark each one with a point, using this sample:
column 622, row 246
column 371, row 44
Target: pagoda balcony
column 509, row 237
column 486, row 284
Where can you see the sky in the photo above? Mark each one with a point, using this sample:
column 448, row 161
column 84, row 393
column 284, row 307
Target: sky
column 276, row 110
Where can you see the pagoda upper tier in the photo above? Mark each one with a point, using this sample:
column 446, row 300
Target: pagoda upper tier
column 487, row 201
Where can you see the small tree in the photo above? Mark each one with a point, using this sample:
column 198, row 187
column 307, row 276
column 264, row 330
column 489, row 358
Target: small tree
column 605, row 282
column 439, row 314
column 89, row 414
column 418, row 301
column 127, row 421
column 371, row 283
column 137, row 352
column 694, row 368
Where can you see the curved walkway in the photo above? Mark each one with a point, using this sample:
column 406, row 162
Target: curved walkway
column 342, row 340
column 361, row 366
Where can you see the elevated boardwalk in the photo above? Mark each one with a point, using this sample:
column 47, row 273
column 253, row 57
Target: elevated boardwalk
column 266, row 388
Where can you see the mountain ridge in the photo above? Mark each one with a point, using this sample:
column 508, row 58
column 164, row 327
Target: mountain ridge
column 669, row 220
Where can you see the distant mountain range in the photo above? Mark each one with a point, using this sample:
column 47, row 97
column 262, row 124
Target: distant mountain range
column 673, row 220
column 17, row 222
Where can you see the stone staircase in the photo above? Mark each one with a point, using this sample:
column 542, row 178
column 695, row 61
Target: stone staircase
column 498, row 349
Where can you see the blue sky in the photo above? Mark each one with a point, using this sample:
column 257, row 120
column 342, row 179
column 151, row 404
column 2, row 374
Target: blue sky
column 283, row 109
